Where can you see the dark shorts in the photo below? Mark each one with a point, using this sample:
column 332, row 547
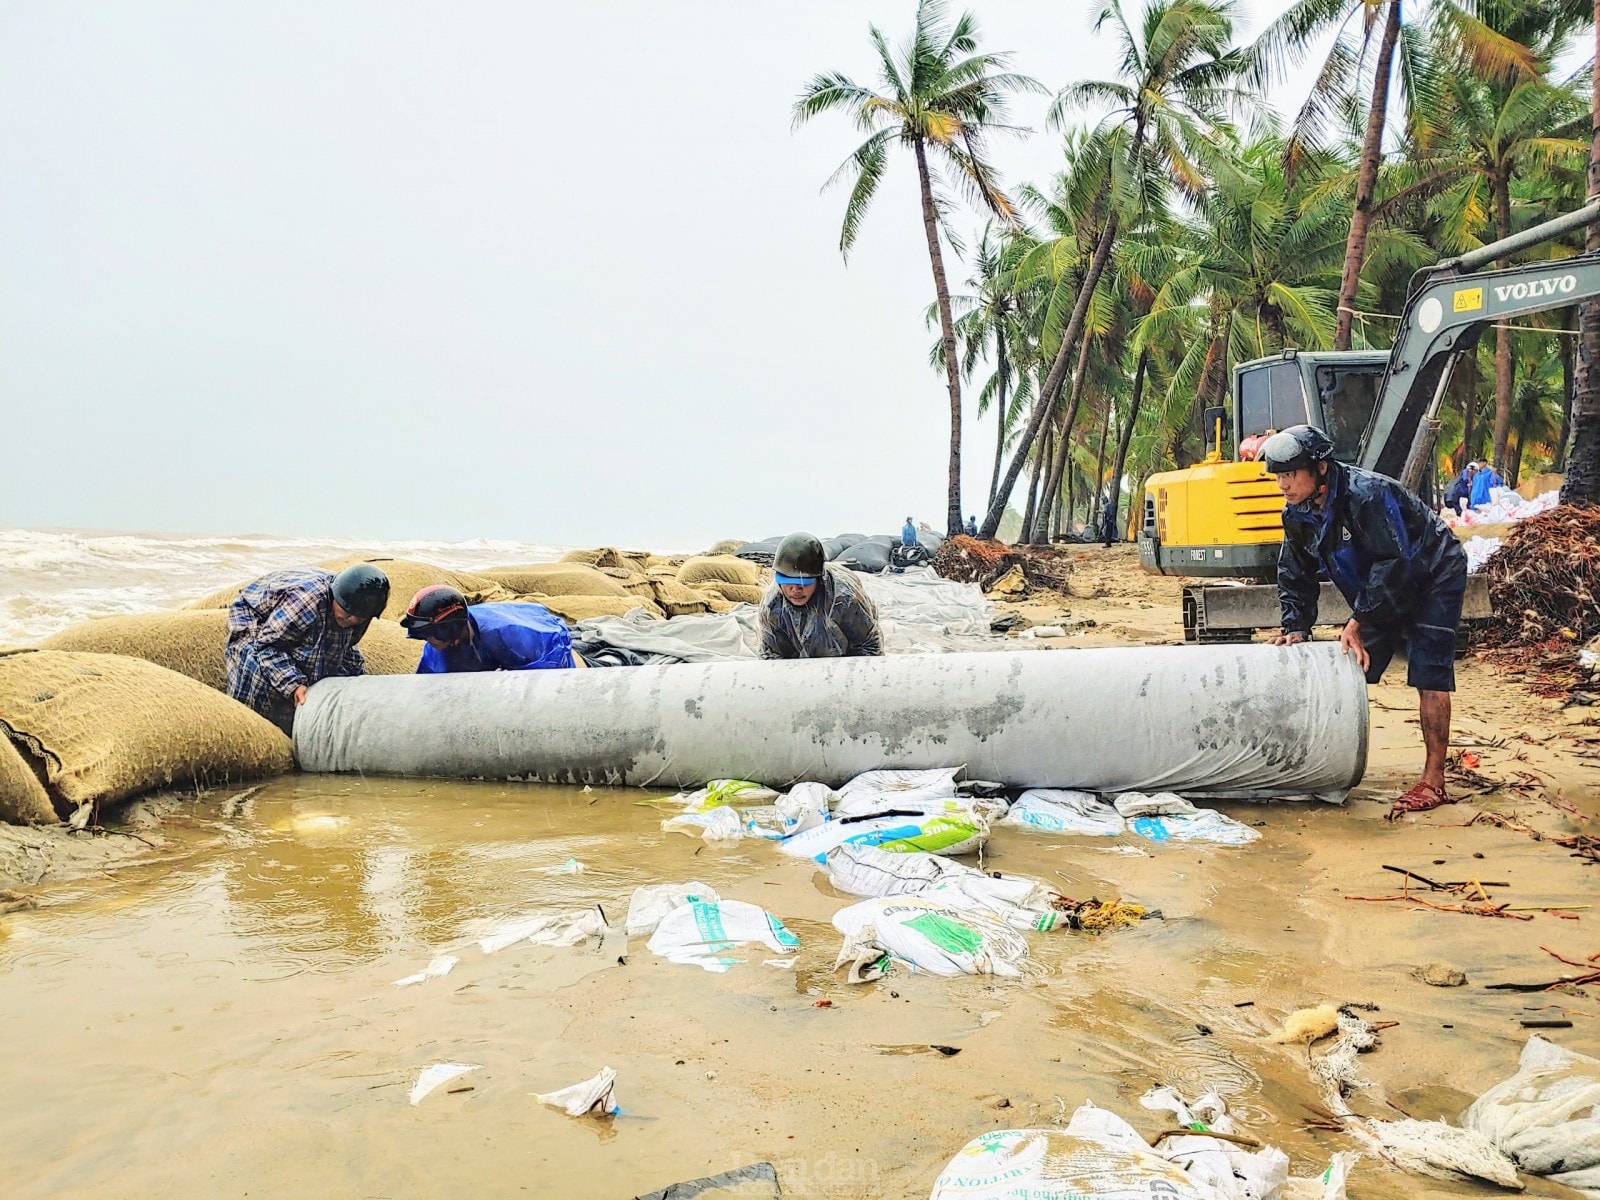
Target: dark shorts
column 1429, row 640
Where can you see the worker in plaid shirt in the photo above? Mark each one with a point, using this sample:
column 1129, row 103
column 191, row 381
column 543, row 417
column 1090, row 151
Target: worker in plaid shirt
column 291, row 628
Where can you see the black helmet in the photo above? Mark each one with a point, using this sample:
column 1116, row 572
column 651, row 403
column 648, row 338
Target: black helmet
column 361, row 590
column 436, row 606
column 1295, row 449
column 799, row 558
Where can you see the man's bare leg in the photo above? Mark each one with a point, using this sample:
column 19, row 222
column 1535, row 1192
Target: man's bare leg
column 1435, row 735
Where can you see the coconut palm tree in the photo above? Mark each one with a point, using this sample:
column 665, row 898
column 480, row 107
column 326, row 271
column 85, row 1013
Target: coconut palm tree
column 1175, row 81
column 940, row 98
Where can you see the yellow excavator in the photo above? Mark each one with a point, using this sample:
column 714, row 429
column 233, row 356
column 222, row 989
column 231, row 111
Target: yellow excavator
column 1222, row 517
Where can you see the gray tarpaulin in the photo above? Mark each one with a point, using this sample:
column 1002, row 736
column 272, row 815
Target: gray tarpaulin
column 1199, row 720
column 919, row 612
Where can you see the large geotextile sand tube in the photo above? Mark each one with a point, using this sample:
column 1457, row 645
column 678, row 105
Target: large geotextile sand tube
column 1204, row 720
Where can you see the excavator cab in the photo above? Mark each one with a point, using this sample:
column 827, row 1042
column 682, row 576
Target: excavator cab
column 1222, row 517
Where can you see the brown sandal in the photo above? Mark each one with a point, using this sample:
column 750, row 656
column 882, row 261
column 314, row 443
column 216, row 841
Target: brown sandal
column 1421, row 798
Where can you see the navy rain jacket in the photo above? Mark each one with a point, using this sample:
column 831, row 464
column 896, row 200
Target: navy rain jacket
column 1383, row 548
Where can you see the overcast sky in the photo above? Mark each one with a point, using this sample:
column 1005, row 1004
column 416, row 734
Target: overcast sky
column 556, row 272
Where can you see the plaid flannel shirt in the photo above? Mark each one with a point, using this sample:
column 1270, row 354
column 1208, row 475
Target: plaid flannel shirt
column 281, row 634
column 839, row 621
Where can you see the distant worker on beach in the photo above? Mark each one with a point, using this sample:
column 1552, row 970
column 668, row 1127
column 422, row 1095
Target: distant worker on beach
column 908, row 534
column 484, row 637
column 1396, row 563
column 291, row 628
column 972, row 525
column 1459, row 494
column 816, row 610
column 1483, row 484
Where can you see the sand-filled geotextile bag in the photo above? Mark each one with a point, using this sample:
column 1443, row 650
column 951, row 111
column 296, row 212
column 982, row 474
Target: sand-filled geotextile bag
column 721, row 569
column 735, row 593
column 610, row 556
column 581, row 608
column 406, row 579
column 192, row 641
column 557, row 579
column 105, row 726
column 188, row 641
column 23, row 800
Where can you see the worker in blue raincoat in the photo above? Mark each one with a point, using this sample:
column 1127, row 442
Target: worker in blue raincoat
column 908, row 533
column 485, row 637
column 1483, row 482
column 1396, row 563
column 1459, row 494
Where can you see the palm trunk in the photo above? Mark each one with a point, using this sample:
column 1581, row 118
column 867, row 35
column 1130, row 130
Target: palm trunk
column 1582, row 485
column 1514, row 460
column 1058, row 370
column 1465, row 381
column 1064, row 444
column 1503, row 367
column 1569, row 384
column 1355, row 247
column 1041, row 468
column 1000, row 431
column 947, row 333
column 1121, row 461
column 1097, row 504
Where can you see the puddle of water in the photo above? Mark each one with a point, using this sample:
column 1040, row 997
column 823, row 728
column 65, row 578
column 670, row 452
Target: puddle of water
column 226, row 1020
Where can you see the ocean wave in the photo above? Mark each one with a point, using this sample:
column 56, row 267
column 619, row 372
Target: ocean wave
column 50, row 579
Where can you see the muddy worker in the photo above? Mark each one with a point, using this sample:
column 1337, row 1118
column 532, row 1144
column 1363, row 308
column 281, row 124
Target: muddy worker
column 484, row 637
column 1396, row 563
column 816, row 610
column 291, row 628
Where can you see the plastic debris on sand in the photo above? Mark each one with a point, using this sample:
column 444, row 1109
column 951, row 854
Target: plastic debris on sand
column 1546, row 1117
column 925, row 935
column 442, row 965
column 1055, row 810
column 560, row 929
column 592, row 1097
column 438, row 1073
column 652, row 901
column 704, row 933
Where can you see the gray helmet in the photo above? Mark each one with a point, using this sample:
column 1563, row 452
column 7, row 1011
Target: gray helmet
column 799, row 556
column 1295, row 449
column 361, row 590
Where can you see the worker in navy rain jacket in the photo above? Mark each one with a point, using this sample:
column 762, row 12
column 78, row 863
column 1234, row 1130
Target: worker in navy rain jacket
column 291, row 628
column 816, row 609
column 1400, row 568
column 1459, row 494
column 484, row 637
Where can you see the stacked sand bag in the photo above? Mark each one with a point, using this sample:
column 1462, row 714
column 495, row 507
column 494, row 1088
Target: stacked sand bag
column 97, row 728
column 23, row 800
column 191, row 642
column 577, row 591
column 406, row 579
column 726, row 577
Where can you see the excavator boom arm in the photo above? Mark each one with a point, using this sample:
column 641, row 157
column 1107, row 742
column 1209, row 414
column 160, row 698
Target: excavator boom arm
column 1445, row 316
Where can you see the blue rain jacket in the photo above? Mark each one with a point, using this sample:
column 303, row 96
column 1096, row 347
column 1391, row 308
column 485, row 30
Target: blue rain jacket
column 1485, row 479
column 1383, row 548
column 505, row 637
column 908, row 534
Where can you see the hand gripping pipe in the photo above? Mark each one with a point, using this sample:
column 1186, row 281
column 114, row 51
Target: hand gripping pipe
column 1246, row 720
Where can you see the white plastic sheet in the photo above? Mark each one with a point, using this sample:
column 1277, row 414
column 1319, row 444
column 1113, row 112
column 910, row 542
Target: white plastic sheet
column 1198, row 720
column 436, row 1074
column 591, row 1097
column 1204, row 825
column 442, row 965
column 557, row 929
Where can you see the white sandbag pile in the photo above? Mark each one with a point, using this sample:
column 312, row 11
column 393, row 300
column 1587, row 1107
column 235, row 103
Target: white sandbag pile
column 1546, row 1117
